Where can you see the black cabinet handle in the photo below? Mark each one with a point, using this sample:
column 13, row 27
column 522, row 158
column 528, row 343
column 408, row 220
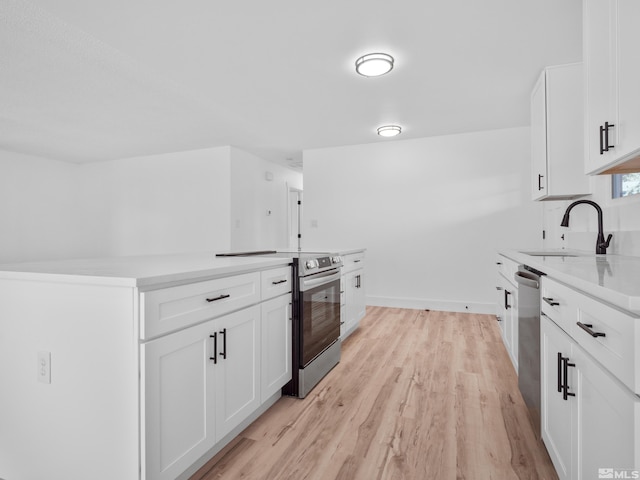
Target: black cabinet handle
column 215, row 348
column 560, row 362
column 587, row 327
column 278, row 282
column 498, row 318
column 565, row 387
column 506, row 299
column 498, row 288
column 607, row 126
column 604, row 137
column 498, row 263
column 223, row 354
column 550, row 301
column 540, row 177
column 215, row 299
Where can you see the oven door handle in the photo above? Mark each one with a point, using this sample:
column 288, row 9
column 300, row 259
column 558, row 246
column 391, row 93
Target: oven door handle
column 307, row 283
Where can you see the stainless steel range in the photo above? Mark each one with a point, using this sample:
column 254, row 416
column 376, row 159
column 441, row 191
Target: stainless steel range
column 316, row 316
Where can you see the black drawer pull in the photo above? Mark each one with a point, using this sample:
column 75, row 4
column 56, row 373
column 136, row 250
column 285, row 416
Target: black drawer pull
column 278, row 282
column 550, row 301
column 498, row 288
column 217, row 298
column 587, row 328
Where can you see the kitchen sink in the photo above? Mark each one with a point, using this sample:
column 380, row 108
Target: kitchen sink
column 550, row 254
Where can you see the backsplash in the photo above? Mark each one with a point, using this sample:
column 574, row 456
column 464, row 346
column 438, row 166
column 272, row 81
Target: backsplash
column 621, row 217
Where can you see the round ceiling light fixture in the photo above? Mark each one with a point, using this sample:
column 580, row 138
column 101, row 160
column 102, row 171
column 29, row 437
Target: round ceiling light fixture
column 374, row 64
column 389, row 130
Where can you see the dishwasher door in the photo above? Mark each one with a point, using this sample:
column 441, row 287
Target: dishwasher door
column 529, row 341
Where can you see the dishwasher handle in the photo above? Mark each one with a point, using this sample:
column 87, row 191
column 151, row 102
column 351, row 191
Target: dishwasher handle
column 527, row 279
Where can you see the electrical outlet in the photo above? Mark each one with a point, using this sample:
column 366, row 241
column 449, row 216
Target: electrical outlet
column 44, row 367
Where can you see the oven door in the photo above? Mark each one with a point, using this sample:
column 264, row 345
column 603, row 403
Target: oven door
column 320, row 322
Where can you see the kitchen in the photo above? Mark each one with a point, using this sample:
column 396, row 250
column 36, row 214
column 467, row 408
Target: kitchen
column 431, row 209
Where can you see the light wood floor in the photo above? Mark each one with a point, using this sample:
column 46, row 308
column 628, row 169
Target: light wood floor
column 417, row 395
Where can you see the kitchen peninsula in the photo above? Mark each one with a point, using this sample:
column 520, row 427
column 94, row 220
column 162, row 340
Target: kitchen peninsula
column 127, row 367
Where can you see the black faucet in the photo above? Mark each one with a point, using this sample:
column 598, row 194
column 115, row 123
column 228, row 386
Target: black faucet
column 601, row 245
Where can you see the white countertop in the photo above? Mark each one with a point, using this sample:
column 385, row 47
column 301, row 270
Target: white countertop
column 612, row 278
column 336, row 251
column 138, row 271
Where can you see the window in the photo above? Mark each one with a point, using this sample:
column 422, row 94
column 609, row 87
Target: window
column 625, row 184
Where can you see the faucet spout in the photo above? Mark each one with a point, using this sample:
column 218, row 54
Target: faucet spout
column 601, row 243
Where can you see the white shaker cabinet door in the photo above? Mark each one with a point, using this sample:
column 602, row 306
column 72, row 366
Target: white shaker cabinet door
column 606, row 418
column 557, row 412
column 237, row 368
column 276, row 345
column 179, row 400
column 611, row 39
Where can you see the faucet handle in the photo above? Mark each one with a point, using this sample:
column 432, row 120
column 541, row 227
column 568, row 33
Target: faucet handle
column 606, row 243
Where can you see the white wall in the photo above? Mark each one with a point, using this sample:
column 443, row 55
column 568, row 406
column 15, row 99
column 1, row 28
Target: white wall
column 39, row 205
column 431, row 212
column 170, row 203
column 621, row 217
column 259, row 207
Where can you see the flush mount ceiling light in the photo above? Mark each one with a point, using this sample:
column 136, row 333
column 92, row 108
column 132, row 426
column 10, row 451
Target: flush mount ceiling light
column 389, row 130
column 374, row 64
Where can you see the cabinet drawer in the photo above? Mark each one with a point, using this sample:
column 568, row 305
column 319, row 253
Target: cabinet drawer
column 615, row 340
column 353, row 261
column 275, row 282
column 556, row 302
column 178, row 307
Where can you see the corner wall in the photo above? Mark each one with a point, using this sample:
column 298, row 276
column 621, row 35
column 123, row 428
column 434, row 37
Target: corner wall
column 259, row 202
column 431, row 212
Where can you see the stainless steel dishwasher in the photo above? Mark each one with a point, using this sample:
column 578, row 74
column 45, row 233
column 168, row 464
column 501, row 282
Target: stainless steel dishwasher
column 528, row 280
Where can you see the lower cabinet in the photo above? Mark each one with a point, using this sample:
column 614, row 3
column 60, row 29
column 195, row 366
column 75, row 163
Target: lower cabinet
column 199, row 383
column 557, row 419
column 276, row 345
column 507, row 308
column 590, row 421
column 355, row 304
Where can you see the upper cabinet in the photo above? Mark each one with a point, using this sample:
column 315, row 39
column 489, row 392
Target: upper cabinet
column 557, row 140
column 612, row 86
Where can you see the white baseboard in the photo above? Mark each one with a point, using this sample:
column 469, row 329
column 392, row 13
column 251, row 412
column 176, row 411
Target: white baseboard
column 429, row 304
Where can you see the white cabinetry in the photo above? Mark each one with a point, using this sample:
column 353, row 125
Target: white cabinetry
column 276, row 331
column 612, row 76
column 204, row 380
column 353, row 307
column 590, row 419
column 557, row 138
column 507, row 306
column 199, row 383
column 153, row 366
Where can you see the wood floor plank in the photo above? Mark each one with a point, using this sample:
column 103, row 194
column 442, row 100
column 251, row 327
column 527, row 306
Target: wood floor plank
column 417, row 395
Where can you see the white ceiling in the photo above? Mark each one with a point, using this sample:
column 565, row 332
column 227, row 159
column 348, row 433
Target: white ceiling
column 90, row 80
